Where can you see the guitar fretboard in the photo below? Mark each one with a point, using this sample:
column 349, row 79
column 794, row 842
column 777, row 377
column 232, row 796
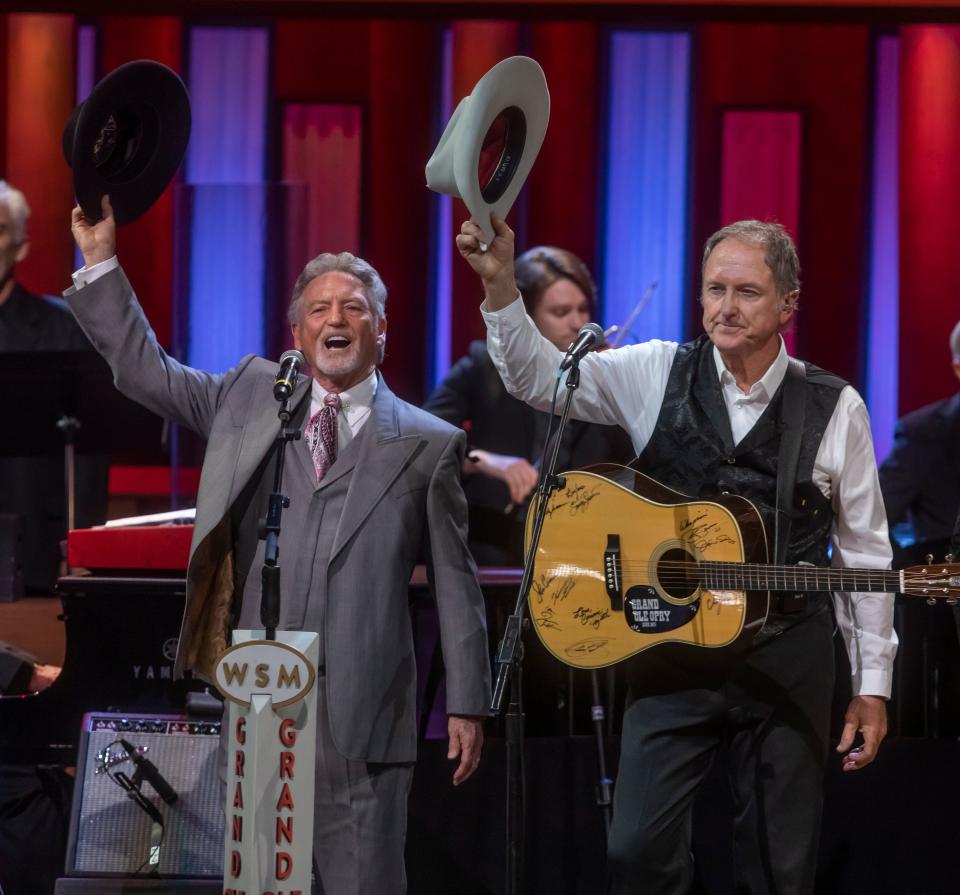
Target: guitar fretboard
column 752, row 576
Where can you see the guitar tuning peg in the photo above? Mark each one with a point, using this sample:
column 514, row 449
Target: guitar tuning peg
column 951, row 601
column 948, row 558
column 931, row 601
column 929, row 559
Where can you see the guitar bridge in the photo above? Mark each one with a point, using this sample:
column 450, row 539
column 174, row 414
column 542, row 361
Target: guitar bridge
column 612, row 572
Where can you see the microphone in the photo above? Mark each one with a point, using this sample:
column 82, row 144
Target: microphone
column 589, row 337
column 147, row 770
column 138, row 797
column 290, row 363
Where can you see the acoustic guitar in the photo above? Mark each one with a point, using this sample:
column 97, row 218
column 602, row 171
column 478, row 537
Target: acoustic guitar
column 626, row 564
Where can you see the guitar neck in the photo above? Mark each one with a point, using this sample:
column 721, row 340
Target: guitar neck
column 755, row 576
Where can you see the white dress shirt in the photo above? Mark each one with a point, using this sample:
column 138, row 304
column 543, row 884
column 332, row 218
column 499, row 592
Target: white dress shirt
column 626, row 386
column 355, row 406
column 87, row 275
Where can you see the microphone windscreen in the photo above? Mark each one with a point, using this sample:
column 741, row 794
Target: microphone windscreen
column 595, row 330
column 293, row 354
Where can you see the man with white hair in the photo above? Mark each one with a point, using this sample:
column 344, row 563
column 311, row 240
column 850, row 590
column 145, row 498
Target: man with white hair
column 921, row 477
column 28, row 322
column 14, row 246
column 32, row 816
column 920, row 480
column 32, row 487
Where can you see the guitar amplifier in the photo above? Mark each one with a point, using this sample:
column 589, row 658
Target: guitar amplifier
column 110, row 834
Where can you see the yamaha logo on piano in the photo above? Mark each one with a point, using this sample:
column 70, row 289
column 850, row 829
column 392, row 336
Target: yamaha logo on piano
column 170, row 648
column 162, row 672
column 152, row 672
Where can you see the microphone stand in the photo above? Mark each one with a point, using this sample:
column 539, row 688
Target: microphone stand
column 270, row 530
column 510, row 657
column 604, row 784
column 132, row 789
column 69, row 426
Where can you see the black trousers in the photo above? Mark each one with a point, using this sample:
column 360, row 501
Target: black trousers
column 771, row 712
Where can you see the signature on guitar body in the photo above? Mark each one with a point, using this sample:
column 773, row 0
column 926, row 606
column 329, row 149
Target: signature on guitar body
column 636, row 565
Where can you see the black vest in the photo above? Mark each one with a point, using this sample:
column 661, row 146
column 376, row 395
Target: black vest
column 692, row 449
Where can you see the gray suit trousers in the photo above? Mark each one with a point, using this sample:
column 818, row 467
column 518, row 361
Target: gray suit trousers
column 359, row 819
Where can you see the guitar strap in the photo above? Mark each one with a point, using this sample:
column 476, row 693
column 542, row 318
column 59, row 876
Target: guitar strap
column 792, row 414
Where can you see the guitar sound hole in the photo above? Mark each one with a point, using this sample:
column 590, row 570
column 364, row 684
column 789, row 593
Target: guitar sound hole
column 678, row 573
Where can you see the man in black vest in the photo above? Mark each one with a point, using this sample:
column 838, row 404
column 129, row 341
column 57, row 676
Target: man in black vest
column 705, row 417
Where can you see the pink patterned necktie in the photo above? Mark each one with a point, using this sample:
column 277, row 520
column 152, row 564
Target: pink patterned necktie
column 322, row 432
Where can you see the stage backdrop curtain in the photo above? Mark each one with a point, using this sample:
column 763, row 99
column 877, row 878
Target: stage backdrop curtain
column 477, row 47
column 825, row 72
column 562, row 188
column 389, row 69
column 929, row 197
column 40, row 97
column 147, row 244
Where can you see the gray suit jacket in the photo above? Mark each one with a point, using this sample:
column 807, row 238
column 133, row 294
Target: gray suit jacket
column 409, row 492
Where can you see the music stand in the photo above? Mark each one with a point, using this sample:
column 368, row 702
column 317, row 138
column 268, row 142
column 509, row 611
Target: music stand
column 65, row 401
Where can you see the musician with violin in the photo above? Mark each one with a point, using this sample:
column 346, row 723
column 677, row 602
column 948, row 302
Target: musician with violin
column 726, row 418
column 505, row 436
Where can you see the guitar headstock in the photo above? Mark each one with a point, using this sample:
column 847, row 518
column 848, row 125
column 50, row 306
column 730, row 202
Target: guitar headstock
column 934, row 581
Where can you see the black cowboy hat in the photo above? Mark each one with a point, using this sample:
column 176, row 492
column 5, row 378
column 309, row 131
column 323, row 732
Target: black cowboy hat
column 127, row 139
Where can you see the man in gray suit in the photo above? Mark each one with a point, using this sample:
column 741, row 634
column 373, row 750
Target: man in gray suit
column 373, row 479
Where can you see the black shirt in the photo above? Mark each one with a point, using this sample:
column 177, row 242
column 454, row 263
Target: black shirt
column 32, row 487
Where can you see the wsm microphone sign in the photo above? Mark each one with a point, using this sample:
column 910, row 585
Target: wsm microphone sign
column 270, row 762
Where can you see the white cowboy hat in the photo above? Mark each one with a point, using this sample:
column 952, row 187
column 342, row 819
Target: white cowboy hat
column 492, row 140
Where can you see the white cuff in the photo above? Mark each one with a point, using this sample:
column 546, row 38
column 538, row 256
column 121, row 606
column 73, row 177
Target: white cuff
column 512, row 314
column 86, row 275
column 874, row 682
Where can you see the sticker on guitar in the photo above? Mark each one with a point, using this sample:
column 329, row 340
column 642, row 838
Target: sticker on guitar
column 647, row 613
